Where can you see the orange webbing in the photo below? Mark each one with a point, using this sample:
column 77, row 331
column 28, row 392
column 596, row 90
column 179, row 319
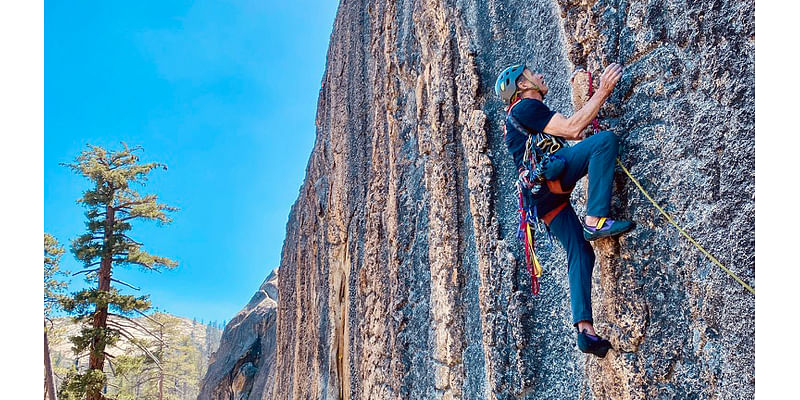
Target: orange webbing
column 547, row 218
column 555, row 188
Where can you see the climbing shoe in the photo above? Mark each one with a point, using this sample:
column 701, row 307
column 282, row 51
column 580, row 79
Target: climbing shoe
column 596, row 345
column 606, row 227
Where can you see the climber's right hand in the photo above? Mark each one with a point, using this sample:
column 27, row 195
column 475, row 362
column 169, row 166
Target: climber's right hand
column 609, row 79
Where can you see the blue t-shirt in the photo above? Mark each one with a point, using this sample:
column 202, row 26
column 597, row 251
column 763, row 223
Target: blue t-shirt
column 533, row 115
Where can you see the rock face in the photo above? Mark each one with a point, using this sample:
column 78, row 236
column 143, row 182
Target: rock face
column 243, row 367
column 401, row 276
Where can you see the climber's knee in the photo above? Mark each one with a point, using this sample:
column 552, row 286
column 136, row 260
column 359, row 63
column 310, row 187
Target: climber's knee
column 609, row 142
column 609, row 138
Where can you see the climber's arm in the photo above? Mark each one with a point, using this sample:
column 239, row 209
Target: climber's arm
column 571, row 128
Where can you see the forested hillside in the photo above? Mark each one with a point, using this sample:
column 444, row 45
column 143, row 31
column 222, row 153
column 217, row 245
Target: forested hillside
column 182, row 353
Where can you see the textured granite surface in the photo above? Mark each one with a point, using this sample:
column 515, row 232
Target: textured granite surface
column 401, row 276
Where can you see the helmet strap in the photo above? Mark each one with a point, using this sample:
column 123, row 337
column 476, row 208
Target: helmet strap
column 535, row 87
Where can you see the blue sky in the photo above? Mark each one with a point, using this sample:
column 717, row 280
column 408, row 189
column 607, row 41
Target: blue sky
column 224, row 93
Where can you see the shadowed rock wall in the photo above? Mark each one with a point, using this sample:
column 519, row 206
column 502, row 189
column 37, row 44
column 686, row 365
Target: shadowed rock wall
column 243, row 366
column 401, row 276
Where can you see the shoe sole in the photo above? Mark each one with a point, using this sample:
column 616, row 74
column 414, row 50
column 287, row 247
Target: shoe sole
column 599, row 353
column 603, row 353
column 604, row 235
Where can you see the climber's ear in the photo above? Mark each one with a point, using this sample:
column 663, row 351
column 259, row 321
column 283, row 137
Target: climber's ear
column 523, row 82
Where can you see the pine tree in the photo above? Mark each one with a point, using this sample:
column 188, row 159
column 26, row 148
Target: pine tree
column 112, row 204
column 53, row 287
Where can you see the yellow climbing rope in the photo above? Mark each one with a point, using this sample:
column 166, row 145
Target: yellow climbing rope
column 671, row 221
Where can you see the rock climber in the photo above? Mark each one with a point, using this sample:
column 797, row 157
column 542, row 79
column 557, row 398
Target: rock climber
column 524, row 90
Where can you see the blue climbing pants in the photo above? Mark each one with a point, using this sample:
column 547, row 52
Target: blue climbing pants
column 594, row 155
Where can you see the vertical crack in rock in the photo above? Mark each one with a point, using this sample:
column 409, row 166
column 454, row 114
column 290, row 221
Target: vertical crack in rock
column 381, row 371
column 490, row 254
column 436, row 111
column 339, row 299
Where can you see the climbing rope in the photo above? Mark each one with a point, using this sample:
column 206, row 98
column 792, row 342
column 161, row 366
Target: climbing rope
column 595, row 123
column 683, row 232
column 596, row 128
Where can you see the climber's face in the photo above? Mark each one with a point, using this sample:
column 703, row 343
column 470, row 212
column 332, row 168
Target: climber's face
column 535, row 80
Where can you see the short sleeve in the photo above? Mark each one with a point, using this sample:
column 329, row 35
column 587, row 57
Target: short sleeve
column 533, row 114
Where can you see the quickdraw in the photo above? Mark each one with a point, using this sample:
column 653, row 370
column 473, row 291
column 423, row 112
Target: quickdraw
column 525, row 234
column 595, row 123
column 529, row 180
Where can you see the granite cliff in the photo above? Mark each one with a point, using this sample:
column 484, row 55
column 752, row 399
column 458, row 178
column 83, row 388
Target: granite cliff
column 401, row 276
column 242, row 367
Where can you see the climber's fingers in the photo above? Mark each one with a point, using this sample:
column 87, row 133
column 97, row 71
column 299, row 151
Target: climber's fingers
column 611, row 75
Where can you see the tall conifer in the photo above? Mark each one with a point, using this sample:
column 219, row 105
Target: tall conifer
column 112, row 205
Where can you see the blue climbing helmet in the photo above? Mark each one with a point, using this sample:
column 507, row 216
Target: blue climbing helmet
column 506, row 85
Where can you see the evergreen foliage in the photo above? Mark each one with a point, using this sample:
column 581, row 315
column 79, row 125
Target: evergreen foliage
column 112, row 205
column 53, row 287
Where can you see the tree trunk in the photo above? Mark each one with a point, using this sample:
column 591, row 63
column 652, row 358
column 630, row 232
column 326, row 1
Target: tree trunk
column 49, row 383
column 161, row 368
column 96, row 356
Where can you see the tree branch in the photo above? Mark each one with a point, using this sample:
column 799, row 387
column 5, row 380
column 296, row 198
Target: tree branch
column 121, row 328
column 131, row 239
column 152, row 378
column 138, row 325
column 142, row 348
column 131, row 203
column 137, row 263
column 148, row 317
column 88, row 270
column 125, row 283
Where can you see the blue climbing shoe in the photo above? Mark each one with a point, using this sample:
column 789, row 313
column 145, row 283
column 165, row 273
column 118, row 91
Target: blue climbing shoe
column 593, row 344
column 606, row 227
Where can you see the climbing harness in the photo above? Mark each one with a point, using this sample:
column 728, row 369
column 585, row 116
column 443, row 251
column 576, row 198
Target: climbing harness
column 595, row 126
column 539, row 167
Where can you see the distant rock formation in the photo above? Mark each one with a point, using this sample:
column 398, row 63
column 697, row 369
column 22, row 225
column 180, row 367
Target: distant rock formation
column 242, row 368
column 401, row 276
